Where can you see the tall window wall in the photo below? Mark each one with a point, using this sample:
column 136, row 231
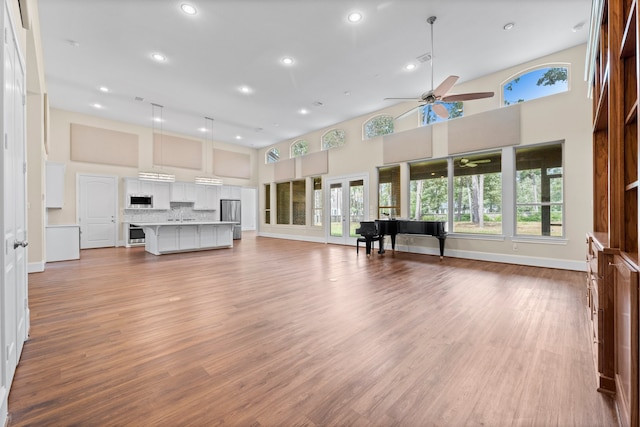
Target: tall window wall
column 539, row 190
column 389, row 192
column 477, row 193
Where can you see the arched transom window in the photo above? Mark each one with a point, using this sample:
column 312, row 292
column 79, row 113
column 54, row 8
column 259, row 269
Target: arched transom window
column 299, row 148
column 378, row 126
column 333, row 138
column 537, row 83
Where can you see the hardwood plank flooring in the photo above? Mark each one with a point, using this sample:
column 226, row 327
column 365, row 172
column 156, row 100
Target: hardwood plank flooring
column 286, row 333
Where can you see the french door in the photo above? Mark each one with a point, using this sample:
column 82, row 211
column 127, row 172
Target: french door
column 347, row 199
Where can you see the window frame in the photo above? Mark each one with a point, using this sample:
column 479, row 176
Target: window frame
column 528, row 71
column 365, row 136
column 272, row 159
column 298, row 142
column 542, row 204
column 325, row 146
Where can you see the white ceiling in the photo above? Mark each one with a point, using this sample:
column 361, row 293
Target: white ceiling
column 349, row 68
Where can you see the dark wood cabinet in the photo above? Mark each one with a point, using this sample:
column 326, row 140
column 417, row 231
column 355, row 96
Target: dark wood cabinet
column 612, row 247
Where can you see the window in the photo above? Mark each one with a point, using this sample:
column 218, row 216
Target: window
column 539, row 190
column 429, row 188
column 290, row 200
column 272, row 156
column 299, row 148
column 298, row 202
column 477, row 193
column 377, row 126
column 283, row 202
column 536, row 84
column 389, row 192
column 317, row 202
column 333, row 138
column 428, row 116
column 267, row 203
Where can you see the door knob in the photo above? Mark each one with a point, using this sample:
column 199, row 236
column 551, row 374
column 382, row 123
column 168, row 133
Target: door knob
column 17, row 244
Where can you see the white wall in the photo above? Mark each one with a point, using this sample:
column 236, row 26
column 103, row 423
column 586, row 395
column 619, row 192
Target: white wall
column 565, row 116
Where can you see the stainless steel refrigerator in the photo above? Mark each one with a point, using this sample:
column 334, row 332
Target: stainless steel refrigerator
column 230, row 211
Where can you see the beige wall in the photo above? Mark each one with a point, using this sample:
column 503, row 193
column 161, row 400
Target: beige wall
column 59, row 151
column 565, row 116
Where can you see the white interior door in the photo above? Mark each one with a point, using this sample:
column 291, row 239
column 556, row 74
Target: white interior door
column 97, row 210
column 14, row 286
column 249, row 210
column 347, row 199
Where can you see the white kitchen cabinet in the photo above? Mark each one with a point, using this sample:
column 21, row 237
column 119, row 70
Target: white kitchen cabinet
column 231, row 192
column 54, row 189
column 183, row 192
column 161, row 195
column 208, row 236
column 178, row 238
column 63, row 242
column 137, row 186
column 167, row 238
column 207, row 197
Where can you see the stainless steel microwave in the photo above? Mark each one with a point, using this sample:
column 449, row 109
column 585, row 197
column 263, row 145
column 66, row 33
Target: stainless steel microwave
column 140, row 201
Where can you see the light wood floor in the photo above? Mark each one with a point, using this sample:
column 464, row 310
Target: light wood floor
column 285, row 333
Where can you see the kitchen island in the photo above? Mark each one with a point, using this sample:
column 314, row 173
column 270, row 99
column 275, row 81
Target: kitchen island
column 169, row 237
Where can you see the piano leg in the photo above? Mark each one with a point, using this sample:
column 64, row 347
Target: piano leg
column 441, row 241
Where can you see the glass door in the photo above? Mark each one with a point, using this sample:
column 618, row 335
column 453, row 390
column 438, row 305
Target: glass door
column 348, row 205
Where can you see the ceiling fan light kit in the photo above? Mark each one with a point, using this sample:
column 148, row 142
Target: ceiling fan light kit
column 436, row 97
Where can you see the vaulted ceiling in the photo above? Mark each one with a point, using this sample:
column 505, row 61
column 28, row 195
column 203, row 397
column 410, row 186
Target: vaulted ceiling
column 225, row 61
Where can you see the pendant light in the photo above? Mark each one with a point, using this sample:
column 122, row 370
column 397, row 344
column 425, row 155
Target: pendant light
column 208, row 180
column 156, row 117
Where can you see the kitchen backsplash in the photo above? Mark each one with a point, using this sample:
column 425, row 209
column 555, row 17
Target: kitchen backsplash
column 177, row 212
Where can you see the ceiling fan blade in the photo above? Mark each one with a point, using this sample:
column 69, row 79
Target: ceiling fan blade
column 403, row 99
column 445, row 86
column 440, row 110
column 406, row 113
column 466, row 96
column 482, row 161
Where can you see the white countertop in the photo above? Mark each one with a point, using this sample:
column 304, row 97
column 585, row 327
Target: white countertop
column 149, row 224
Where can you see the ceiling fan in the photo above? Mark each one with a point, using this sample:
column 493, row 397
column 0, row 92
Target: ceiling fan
column 467, row 163
column 435, row 97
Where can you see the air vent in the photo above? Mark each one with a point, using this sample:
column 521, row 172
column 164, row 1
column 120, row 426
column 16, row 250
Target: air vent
column 424, row 58
column 139, row 98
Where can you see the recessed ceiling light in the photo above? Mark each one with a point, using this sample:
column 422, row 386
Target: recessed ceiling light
column 245, row 89
column 188, row 9
column 508, row 26
column 287, row 60
column 158, row 57
column 577, row 27
column 346, row 93
column 354, row 17
column 238, row 137
column 410, row 67
column 96, row 105
column 157, row 120
column 203, row 130
column 73, row 43
column 104, row 89
column 304, row 111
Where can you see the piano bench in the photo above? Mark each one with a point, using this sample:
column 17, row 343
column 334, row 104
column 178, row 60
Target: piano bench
column 368, row 241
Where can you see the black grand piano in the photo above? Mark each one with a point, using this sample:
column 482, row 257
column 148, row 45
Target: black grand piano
column 393, row 227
